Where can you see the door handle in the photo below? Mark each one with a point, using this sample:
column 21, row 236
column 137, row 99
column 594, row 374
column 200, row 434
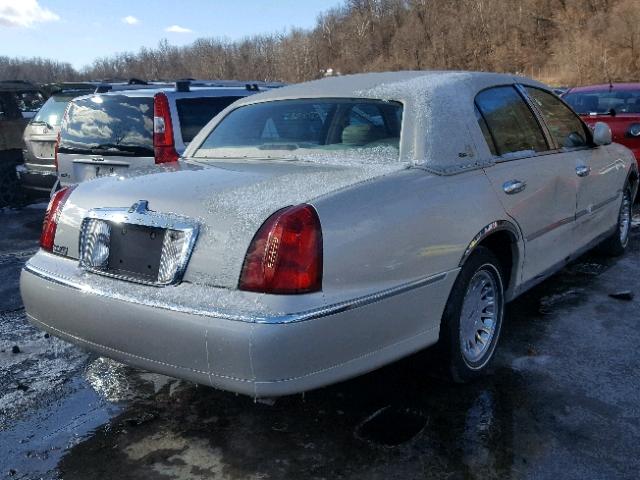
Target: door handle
column 583, row 170
column 513, row 186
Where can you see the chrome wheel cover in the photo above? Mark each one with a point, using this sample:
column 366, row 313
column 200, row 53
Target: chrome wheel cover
column 624, row 219
column 479, row 316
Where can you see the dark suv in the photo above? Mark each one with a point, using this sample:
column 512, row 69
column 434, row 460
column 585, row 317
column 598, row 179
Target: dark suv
column 19, row 102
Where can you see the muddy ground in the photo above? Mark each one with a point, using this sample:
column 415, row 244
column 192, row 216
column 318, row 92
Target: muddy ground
column 562, row 400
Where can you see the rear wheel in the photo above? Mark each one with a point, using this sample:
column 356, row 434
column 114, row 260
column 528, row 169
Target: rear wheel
column 473, row 316
column 618, row 241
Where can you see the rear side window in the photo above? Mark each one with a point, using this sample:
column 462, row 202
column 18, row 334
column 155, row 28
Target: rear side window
column 511, row 122
column 565, row 127
column 109, row 125
column 195, row 113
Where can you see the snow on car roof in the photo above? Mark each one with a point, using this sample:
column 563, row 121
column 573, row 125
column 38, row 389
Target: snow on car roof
column 439, row 125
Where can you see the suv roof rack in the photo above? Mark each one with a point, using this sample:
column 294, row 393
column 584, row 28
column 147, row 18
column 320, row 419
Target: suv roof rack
column 185, row 84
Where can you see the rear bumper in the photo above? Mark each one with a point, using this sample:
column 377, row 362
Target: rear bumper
column 41, row 181
column 253, row 358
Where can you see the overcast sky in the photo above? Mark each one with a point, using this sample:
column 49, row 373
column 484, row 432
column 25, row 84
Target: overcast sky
column 78, row 31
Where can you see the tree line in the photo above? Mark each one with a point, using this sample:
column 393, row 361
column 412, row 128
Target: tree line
column 562, row 42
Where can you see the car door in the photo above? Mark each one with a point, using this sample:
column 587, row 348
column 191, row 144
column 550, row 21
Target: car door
column 536, row 185
column 599, row 170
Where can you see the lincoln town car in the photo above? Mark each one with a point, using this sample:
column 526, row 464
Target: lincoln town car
column 317, row 232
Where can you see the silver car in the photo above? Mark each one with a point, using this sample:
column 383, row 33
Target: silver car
column 322, row 230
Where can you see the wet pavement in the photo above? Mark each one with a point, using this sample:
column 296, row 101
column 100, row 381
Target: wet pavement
column 562, row 400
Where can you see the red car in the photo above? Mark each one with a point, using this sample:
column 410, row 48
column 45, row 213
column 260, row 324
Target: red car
column 617, row 104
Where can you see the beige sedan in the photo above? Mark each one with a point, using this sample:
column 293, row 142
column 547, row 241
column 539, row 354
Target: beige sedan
column 318, row 231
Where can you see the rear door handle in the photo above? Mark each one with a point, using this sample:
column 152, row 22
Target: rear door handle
column 513, row 186
column 583, row 170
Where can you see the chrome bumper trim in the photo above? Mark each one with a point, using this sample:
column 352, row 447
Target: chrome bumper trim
column 225, row 314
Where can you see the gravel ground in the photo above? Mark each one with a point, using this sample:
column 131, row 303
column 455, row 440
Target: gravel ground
column 562, row 400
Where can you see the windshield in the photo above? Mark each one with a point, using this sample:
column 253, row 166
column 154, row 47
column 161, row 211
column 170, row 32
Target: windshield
column 602, row 102
column 109, row 125
column 29, row 101
column 52, row 111
column 310, row 129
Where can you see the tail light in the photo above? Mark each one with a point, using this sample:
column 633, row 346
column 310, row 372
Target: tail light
column 55, row 151
column 63, row 125
column 285, row 256
column 163, row 143
column 52, row 216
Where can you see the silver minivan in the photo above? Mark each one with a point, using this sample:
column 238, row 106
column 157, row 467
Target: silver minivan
column 116, row 132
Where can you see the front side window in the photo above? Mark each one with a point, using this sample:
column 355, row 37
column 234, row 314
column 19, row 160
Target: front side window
column 109, row 125
column 511, row 122
column 308, row 129
column 565, row 127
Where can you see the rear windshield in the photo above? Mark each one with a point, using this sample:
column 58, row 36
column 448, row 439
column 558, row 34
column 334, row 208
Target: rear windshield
column 109, row 125
column 195, row 113
column 621, row 101
column 320, row 130
column 52, row 111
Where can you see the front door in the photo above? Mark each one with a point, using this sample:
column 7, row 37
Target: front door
column 599, row 171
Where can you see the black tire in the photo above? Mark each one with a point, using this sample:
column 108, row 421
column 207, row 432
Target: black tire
column 457, row 366
column 615, row 245
column 10, row 190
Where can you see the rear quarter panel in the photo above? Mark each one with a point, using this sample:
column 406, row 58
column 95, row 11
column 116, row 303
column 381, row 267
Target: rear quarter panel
column 402, row 227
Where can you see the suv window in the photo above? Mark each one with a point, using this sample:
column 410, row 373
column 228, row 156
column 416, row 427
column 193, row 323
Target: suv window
column 565, row 127
column 511, row 122
column 109, row 125
column 195, row 113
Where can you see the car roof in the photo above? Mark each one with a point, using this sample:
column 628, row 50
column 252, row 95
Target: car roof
column 17, row 85
column 439, row 126
column 385, row 85
column 605, row 87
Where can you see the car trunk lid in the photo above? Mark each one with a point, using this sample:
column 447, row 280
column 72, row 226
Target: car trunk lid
column 229, row 200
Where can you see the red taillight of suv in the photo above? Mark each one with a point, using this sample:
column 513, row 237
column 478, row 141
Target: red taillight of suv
column 55, row 151
column 163, row 144
column 52, row 216
column 285, row 256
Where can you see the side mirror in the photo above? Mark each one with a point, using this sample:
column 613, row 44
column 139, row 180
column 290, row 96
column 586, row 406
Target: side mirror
column 601, row 134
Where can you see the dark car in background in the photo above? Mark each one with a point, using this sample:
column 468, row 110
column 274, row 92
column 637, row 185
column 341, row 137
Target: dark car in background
column 116, row 132
column 19, row 101
column 617, row 104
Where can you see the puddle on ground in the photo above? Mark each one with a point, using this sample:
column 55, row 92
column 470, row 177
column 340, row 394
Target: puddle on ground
column 391, row 426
